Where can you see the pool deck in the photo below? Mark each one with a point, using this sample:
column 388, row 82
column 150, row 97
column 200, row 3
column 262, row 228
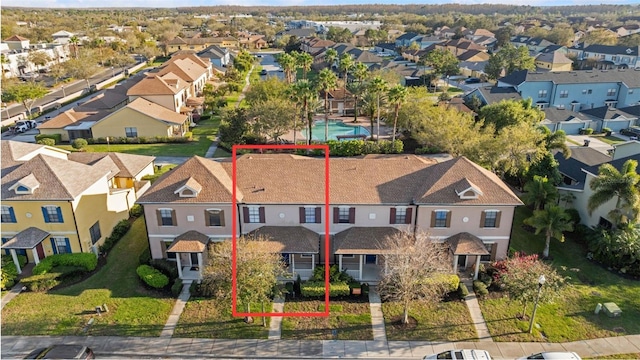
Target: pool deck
column 385, row 131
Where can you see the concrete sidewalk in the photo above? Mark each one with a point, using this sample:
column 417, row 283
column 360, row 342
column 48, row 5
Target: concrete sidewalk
column 148, row 347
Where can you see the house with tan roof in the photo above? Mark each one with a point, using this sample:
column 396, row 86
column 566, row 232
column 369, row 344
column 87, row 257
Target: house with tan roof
column 56, row 202
column 370, row 198
column 197, row 43
column 166, row 90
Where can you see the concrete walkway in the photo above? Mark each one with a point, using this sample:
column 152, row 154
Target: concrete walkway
column 170, row 326
column 476, row 314
column 275, row 327
column 377, row 319
column 15, row 290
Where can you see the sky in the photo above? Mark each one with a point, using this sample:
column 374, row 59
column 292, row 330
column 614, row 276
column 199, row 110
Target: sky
column 184, row 3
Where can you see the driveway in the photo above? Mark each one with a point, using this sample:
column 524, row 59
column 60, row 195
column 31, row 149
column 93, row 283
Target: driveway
column 594, row 143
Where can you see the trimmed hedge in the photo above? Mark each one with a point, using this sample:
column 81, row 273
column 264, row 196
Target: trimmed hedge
column 56, row 137
column 463, row 291
column 117, row 233
column 363, row 147
column 136, row 210
column 317, row 289
column 152, row 276
column 480, row 288
column 42, row 282
column 145, row 257
column 85, row 261
column 47, row 141
column 176, row 288
column 449, row 281
column 140, row 140
column 9, row 272
column 169, row 268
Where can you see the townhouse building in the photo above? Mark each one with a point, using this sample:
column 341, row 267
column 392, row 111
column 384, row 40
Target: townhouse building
column 606, row 56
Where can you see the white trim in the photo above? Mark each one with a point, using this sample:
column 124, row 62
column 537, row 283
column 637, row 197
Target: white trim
column 306, row 255
column 180, row 190
column 401, row 207
column 348, row 256
column 441, row 210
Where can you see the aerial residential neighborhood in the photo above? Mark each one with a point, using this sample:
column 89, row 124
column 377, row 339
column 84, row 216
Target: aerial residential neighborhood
column 373, row 181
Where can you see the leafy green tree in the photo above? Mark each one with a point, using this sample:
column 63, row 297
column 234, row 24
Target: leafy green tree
column 504, row 35
column 620, row 185
column 378, row 87
column 74, row 41
column 326, row 81
column 511, row 112
column 539, row 192
column 4, row 61
column 304, row 61
column 509, row 59
column 39, row 58
column 397, row 96
column 520, row 147
column 234, row 126
column 81, row 68
column 601, row 37
column 243, row 61
column 339, row 35
column 357, row 88
column 553, row 221
column 547, row 167
column 272, row 117
column 443, row 62
column 26, row 93
column 619, row 248
column 269, row 88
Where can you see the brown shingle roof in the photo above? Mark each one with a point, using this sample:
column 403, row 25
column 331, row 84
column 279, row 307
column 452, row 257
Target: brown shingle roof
column 364, row 240
column 289, row 239
column 71, row 117
column 156, row 111
column 128, row 165
column 191, row 241
column 155, row 85
column 26, row 239
column 16, row 38
column 191, row 56
column 187, row 69
column 466, row 244
column 216, row 184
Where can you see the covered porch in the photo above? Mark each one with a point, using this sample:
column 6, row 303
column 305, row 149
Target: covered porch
column 298, row 245
column 190, row 249
column 29, row 242
column 463, row 246
column 360, row 251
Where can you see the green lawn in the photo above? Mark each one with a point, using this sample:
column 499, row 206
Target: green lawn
column 611, row 140
column 351, row 319
column 443, row 321
column 133, row 310
column 571, row 316
column 208, row 318
column 203, row 135
column 221, row 153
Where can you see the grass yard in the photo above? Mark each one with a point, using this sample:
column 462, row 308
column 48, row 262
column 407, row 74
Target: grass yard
column 571, row 316
column 442, row 321
column 350, row 318
column 208, row 318
column 133, row 310
column 203, row 136
column 221, row 153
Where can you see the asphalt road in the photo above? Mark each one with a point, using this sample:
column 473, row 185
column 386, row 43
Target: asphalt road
column 268, row 62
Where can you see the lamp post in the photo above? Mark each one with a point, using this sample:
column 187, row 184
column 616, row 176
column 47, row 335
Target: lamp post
column 541, row 281
column 113, row 72
column 63, row 94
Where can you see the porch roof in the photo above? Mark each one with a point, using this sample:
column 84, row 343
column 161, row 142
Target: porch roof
column 189, row 242
column 290, row 239
column 26, row 239
column 195, row 101
column 364, row 240
column 466, row 244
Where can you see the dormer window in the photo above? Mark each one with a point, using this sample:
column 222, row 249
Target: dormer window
column 191, row 188
column 468, row 190
column 26, row 185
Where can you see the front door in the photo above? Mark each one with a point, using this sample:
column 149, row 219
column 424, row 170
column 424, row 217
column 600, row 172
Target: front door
column 40, row 251
column 462, row 262
column 370, row 259
column 341, row 108
column 194, row 259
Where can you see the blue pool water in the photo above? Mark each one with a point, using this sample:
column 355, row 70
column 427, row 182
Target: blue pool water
column 335, row 128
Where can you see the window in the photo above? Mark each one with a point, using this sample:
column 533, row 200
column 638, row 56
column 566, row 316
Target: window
column 343, row 215
column 254, row 215
column 542, row 94
column 60, row 245
column 611, row 92
column 491, row 219
column 400, row 215
column 95, row 232
column 490, row 250
column 8, row 216
column 630, row 91
column 52, row 214
column 309, row 215
column 166, row 217
column 564, row 93
column 131, row 132
column 165, row 246
column 214, row 217
column 440, row 218
column 614, row 58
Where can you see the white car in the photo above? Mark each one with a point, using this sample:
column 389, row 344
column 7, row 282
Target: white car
column 464, row 354
column 553, row 356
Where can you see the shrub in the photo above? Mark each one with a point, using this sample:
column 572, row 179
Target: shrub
column 47, row 141
column 188, row 135
column 145, row 257
column 176, row 288
column 169, row 268
column 362, row 147
column 85, row 261
column 334, row 275
column 152, row 277
column 480, row 288
column 56, row 137
column 317, row 289
column 448, row 281
column 574, row 214
column 117, row 233
column 606, row 130
column 588, row 131
column 41, row 282
column 8, row 273
column 289, row 288
column 618, row 249
column 365, row 288
column 136, row 210
column 428, row 150
column 79, row 143
column 462, row 290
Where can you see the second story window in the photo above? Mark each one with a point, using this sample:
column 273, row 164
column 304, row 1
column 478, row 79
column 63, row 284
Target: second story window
column 253, row 214
column 214, row 217
column 542, row 94
column 400, row 215
column 52, row 214
column 611, row 92
column 441, row 219
column 490, row 219
column 344, row 215
column 167, row 217
column 8, row 216
column 564, row 93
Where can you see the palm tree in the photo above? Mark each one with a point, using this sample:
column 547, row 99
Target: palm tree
column 288, row 64
column 304, row 93
column 377, row 86
column 397, row 96
column 99, row 44
column 539, row 192
column 330, row 56
column 344, row 66
column 553, row 221
column 555, row 140
column 304, row 60
column 327, row 81
column 74, row 40
column 4, row 61
column 360, row 72
column 623, row 185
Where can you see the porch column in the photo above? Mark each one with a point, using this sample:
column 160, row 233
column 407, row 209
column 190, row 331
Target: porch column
column 179, row 265
column 386, row 267
column 14, row 256
column 313, row 262
column 340, row 262
column 200, row 264
column 292, row 257
column 455, row 264
column 36, row 258
column 360, row 269
column 475, row 273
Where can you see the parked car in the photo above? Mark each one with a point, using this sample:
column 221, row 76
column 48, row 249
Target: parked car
column 632, row 131
column 19, row 129
column 472, row 80
column 29, row 76
column 553, row 356
column 31, row 124
column 263, row 72
column 62, row 352
column 464, row 354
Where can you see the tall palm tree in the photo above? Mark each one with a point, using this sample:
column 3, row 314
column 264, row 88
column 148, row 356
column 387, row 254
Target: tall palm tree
column 539, row 192
column 288, row 64
column 377, row 86
column 330, row 56
column 99, row 44
column 74, row 41
column 553, row 221
column 344, row 66
column 555, row 140
column 397, row 96
column 304, row 60
column 327, row 81
column 360, row 73
column 305, row 93
column 623, row 185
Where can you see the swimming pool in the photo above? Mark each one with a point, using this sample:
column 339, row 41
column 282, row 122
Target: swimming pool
column 336, row 128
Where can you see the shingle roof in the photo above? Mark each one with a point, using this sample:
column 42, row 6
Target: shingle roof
column 554, row 58
column 191, row 55
column 289, row 239
column 16, row 38
column 364, row 240
column 26, row 239
column 494, row 94
column 631, row 77
column 515, row 78
column 71, row 117
column 407, row 36
column 613, row 49
column 186, row 69
column 156, row 111
column 605, row 112
column 191, row 241
column 155, row 85
column 128, row 165
column 215, row 182
column 553, row 114
column 588, row 159
column 466, row 244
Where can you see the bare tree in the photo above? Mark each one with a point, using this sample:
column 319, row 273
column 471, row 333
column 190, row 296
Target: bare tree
column 412, row 267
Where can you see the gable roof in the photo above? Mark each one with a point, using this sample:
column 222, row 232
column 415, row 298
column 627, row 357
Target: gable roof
column 515, row 78
column 606, row 113
column 155, row 85
column 630, row 77
column 184, row 55
column 155, row 111
column 16, row 38
column 407, row 36
column 553, row 114
column 613, row 49
column 128, row 165
column 586, row 159
column 554, row 58
column 494, row 94
column 71, row 117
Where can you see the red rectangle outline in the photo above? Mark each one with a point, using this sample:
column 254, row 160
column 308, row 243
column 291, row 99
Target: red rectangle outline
column 234, row 215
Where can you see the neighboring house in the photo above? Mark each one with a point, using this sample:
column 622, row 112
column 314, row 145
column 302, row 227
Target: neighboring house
column 218, row 56
column 606, row 56
column 17, row 42
column 491, row 94
column 535, row 45
column 339, row 104
column 407, row 39
column 569, row 121
column 612, row 118
column 62, row 37
column 455, row 201
column 553, row 61
column 169, row 91
column 578, row 172
column 297, row 33
column 386, row 49
column 460, row 46
column 54, row 202
column 252, row 42
column 472, row 68
column 626, row 30
column 198, row 43
column 313, row 45
column 474, row 56
column 16, row 50
column 577, row 90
